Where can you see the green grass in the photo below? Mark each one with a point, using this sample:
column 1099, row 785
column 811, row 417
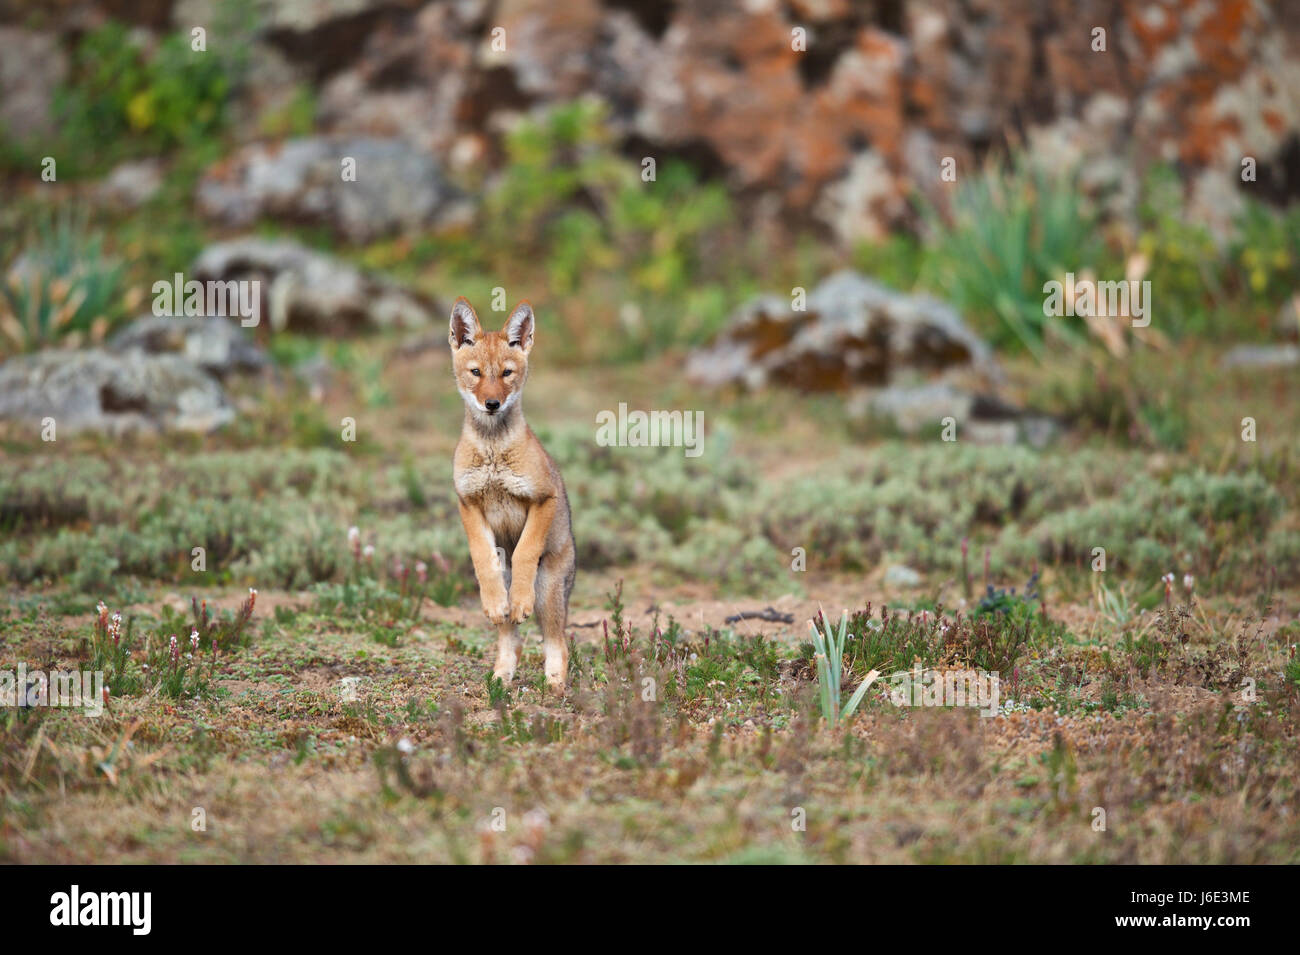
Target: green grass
column 280, row 518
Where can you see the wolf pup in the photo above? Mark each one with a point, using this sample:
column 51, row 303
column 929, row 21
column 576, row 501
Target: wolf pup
column 512, row 499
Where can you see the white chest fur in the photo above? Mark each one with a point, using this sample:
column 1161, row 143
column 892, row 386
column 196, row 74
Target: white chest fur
column 503, row 495
column 490, row 478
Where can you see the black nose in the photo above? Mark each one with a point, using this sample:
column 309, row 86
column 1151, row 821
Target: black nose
column 492, row 404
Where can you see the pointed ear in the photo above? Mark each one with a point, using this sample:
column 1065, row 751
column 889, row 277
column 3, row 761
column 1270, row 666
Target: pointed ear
column 465, row 328
column 519, row 327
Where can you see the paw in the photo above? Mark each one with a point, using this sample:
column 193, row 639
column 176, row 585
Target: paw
column 521, row 607
column 557, row 683
column 557, row 675
column 496, row 607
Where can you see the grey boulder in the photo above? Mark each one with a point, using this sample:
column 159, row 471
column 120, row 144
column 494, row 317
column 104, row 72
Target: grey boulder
column 310, row 291
column 215, row 344
column 854, row 331
column 111, row 392
column 398, row 188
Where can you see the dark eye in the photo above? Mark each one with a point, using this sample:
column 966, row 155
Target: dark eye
column 475, row 372
column 507, row 373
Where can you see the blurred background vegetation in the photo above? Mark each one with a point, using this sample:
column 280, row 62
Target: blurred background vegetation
column 568, row 212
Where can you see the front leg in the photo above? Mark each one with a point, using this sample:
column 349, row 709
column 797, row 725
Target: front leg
column 523, row 567
column 487, row 565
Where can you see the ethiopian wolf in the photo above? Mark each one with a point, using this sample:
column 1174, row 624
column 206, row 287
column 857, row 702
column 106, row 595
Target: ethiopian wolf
column 512, row 498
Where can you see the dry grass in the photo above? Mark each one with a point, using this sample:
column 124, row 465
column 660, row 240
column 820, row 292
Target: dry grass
column 286, row 769
column 1141, row 715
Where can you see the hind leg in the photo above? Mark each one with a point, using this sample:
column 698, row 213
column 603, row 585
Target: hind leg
column 554, row 581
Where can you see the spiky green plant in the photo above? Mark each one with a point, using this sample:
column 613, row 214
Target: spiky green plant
column 1114, row 604
column 829, row 655
column 63, row 292
column 1011, row 228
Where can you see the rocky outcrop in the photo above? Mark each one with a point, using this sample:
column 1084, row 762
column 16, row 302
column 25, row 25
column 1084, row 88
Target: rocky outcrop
column 822, row 110
column 215, row 344
column 159, row 373
column 303, row 289
column 906, row 359
column 113, row 392
column 980, row 418
column 836, row 110
column 853, row 331
column 361, row 188
column 131, row 184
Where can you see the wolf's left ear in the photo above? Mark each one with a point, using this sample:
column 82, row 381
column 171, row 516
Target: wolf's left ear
column 519, row 327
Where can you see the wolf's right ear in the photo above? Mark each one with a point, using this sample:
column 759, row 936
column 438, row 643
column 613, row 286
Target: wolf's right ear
column 465, row 329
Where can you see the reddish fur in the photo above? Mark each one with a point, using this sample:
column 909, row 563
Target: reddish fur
column 511, row 494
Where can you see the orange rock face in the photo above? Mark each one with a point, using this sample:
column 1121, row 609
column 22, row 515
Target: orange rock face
column 825, row 109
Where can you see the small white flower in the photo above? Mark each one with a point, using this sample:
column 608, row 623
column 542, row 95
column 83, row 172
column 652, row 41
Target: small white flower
column 406, row 746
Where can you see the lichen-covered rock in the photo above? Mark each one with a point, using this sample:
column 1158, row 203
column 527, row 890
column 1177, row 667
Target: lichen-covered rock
column 397, row 187
column 307, row 290
column 131, row 184
column 215, row 344
column 906, row 359
column 112, row 392
column 929, row 409
column 833, row 109
column 825, row 110
column 854, row 331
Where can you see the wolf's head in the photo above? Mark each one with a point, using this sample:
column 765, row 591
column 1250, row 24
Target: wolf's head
column 490, row 367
